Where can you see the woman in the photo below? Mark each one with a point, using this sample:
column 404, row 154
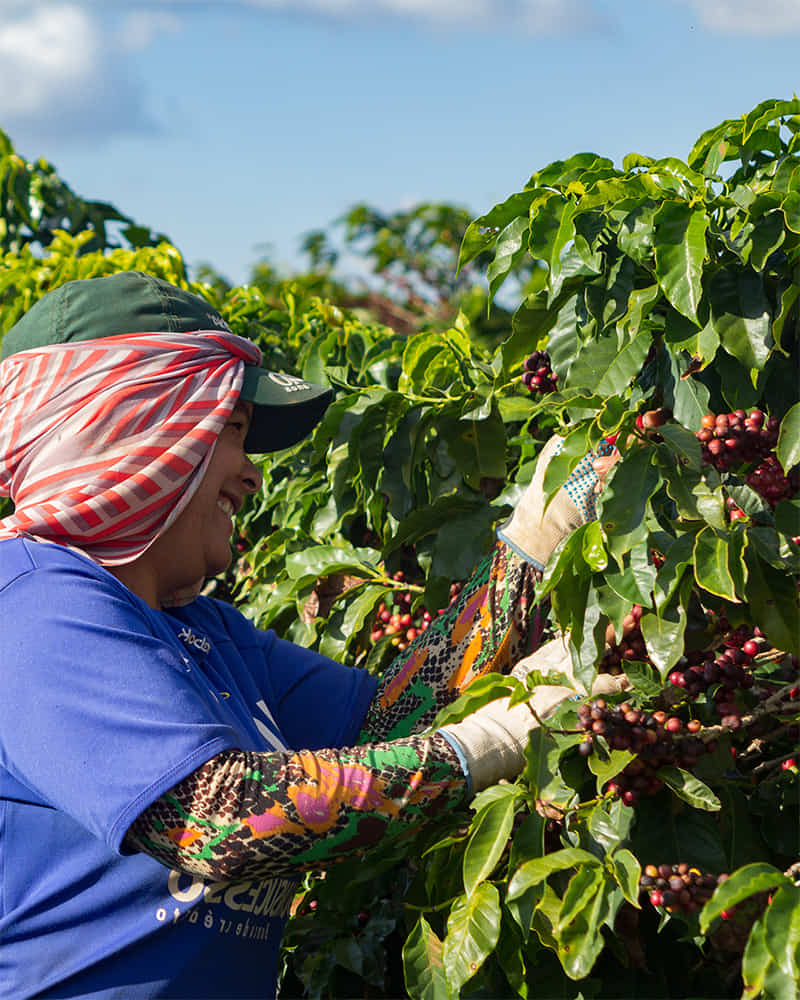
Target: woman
column 166, row 769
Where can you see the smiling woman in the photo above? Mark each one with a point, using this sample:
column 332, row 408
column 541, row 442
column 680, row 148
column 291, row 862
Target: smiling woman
column 196, row 545
column 168, row 770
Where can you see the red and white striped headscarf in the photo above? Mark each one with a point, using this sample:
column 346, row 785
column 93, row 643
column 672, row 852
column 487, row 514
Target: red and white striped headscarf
column 104, row 442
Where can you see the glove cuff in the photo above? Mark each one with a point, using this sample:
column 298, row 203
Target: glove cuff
column 492, row 741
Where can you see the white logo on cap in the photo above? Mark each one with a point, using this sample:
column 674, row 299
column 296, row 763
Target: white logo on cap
column 219, row 321
column 288, row 382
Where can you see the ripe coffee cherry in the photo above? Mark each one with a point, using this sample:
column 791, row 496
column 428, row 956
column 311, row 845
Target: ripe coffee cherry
column 398, row 621
column 538, row 377
column 678, row 888
column 737, row 439
column 650, row 736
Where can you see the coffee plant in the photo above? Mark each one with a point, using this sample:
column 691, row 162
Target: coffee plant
column 651, row 847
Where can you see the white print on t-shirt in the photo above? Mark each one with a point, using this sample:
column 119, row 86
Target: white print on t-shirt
column 193, row 639
column 270, row 735
column 240, row 908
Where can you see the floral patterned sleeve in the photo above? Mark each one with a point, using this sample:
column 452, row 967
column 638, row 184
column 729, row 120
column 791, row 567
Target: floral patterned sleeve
column 252, row 815
column 493, row 624
column 260, row 815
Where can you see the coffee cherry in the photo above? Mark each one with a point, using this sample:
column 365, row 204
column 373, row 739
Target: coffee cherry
column 538, row 377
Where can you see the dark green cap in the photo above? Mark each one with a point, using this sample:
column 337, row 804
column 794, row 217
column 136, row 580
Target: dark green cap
column 285, row 408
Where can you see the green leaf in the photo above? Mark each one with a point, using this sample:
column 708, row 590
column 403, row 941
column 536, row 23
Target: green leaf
column 479, row 693
column 761, row 974
column 478, row 446
column 607, row 826
column 680, row 251
column 584, row 908
column 740, row 312
column 643, row 678
column 489, row 835
column 537, row 870
column 511, row 245
column 512, row 960
column 669, row 834
column 690, row 400
column 552, row 227
column 473, row 929
column 788, row 450
column 323, row 560
column 711, row 564
column 423, row 969
column 608, row 368
column 606, row 769
column 791, row 211
column 483, row 231
column 689, row 788
column 624, row 499
column 664, row 635
column 627, row 871
column 743, row 883
column 782, row 930
column 593, row 547
column 361, row 608
column 772, row 596
column 768, row 235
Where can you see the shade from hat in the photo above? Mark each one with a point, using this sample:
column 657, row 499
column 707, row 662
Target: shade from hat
column 285, row 408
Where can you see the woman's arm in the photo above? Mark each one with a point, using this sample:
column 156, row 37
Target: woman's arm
column 493, row 623
column 257, row 815
column 496, row 620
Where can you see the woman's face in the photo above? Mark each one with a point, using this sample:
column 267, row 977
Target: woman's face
column 197, row 544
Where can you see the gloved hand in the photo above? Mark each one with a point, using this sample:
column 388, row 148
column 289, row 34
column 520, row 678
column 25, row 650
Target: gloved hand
column 533, row 532
column 493, row 739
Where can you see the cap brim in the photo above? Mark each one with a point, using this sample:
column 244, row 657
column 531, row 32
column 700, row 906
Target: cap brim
column 285, row 408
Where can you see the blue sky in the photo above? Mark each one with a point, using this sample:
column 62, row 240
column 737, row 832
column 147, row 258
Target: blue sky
column 238, row 126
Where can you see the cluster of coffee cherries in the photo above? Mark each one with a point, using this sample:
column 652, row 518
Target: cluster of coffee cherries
column 656, row 738
column 397, row 619
column 737, row 438
column 727, row 671
column 678, row 888
column 538, row 376
column 732, row 440
column 769, row 481
column 630, row 647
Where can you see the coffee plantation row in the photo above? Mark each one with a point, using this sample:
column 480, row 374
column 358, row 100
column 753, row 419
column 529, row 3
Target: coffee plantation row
column 652, row 846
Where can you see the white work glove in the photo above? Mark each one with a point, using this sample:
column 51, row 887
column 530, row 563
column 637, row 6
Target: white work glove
column 492, row 740
column 533, row 532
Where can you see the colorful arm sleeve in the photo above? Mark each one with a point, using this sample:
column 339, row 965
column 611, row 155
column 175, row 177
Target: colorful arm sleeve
column 260, row 815
column 493, row 623
column 248, row 815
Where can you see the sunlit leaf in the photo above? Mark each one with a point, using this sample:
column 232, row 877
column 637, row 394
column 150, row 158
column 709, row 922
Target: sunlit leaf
column 489, row 835
column 743, row 883
column 689, row 788
column 423, row 969
column 473, row 928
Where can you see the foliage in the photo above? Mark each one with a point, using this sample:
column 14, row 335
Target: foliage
column 665, row 285
column 35, row 202
column 661, row 286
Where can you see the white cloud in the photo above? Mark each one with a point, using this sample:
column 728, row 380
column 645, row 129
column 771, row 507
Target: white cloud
column 533, row 17
column 141, row 27
column 46, row 50
column 62, row 75
column 749, row 17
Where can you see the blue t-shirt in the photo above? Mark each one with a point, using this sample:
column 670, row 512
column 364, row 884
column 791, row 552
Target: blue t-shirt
column 104, row 705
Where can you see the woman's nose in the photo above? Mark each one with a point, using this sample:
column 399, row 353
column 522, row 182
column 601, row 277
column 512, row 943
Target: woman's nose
column 251, row 476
